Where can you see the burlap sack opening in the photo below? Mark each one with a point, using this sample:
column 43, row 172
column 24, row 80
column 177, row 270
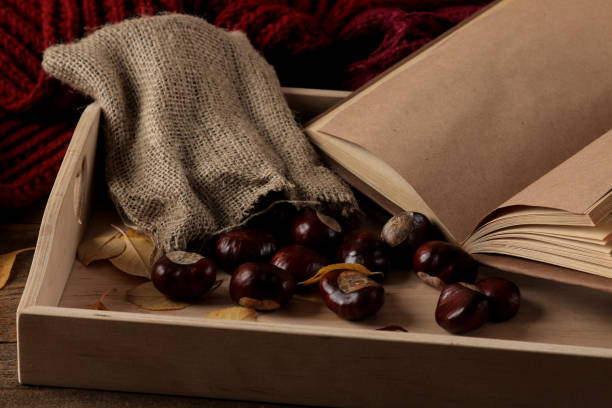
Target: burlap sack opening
column 198, row 136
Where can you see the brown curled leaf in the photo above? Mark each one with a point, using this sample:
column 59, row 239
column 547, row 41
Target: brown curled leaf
column 6, row 264
column 99, row 248
column 233, row 313
column 148, row 297
column 137, row 258
column 99, row 305
column 334, row 267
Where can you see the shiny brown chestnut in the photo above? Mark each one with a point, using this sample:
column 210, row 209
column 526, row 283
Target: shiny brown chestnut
column 504, row 298
column 261, row 286
column 404, row 233
column 316, row 230
column 366, row 249
column 242, row 245
column 445, row 261
column 180, row 274
column 302, row 262
column 351, row 294
column 461, row 308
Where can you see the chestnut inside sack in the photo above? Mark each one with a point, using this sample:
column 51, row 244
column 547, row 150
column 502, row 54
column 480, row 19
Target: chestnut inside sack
column 197, row 131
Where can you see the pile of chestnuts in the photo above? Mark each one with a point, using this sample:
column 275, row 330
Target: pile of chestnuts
column 464, row 304
column 272, row 258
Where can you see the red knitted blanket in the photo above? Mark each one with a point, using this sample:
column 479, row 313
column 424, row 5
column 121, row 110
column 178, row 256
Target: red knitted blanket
column 322, row 44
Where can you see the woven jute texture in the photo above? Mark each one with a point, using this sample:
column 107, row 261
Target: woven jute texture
column 197, row 132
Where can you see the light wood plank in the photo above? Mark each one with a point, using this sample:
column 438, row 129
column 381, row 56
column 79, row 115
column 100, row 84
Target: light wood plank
column 14, row 395
column 309, row 369
column 61, row 226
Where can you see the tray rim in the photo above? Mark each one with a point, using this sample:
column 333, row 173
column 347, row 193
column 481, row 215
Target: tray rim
column 88, row 126
column 32, row 311
column 311, row 330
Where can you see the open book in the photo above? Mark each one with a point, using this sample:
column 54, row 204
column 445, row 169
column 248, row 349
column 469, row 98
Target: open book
column 497, row 132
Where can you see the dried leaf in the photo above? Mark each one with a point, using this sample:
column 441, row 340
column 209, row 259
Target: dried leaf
column 137, row 258
column 148, row 297
column 6, row 264
column 99, row 305
column 334, row 267
column 233, row 313
column 99, row 248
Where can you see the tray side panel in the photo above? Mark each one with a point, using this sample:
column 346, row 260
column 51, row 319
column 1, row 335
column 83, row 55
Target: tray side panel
column 64, row 219
column 63, row 222
column 108, row 354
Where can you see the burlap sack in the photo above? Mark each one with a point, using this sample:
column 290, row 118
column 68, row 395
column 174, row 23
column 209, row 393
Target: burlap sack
column 197, row 132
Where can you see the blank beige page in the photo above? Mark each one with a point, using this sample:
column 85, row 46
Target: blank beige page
column 576, row 183
column 489, row 109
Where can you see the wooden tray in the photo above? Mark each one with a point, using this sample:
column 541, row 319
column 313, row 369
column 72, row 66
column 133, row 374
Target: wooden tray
column 556, row 351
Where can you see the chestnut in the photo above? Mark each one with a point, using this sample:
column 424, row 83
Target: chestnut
column 404, row 233
column 351, row 294
column 366, row 249
column 445, row 261
column 180, row 274
column 302, row 262
column 461, row 308
column 316, row 230
column 277, row 221
column 261, row 286
column 504, row 298
column 242, row 245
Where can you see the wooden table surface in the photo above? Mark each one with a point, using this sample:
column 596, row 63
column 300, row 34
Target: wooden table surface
column 19, row 229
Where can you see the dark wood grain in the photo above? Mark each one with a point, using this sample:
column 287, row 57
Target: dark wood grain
column 19, row 229
column 12, row 237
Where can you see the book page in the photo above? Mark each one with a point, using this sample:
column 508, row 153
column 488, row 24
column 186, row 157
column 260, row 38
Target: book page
column 478, row 116
column 575, row 184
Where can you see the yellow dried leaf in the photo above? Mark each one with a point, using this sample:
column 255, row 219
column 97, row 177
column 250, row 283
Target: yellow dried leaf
column 6, row 264
column 148, row 297
column 132, row 233
column 233, row 313
column 99, row 248
column 137, row 258
column 334, row 267
column 99, row 305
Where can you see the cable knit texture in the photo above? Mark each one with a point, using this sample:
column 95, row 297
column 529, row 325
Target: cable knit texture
column 322, row 44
